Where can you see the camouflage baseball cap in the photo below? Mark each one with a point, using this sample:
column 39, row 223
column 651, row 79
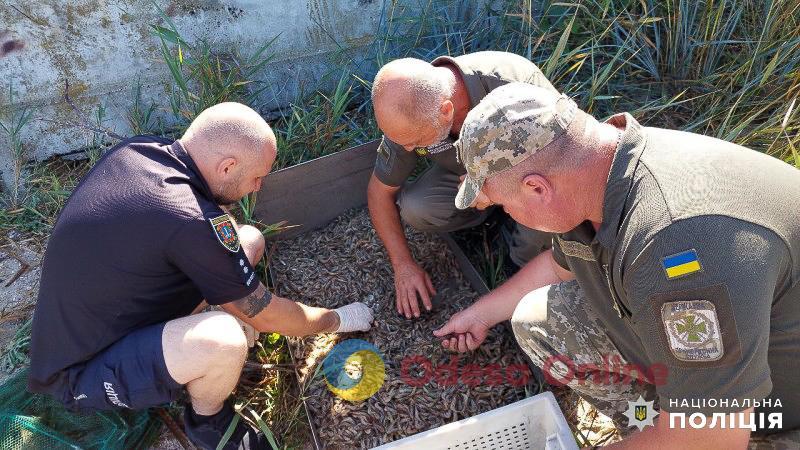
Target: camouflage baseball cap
column 510, row 124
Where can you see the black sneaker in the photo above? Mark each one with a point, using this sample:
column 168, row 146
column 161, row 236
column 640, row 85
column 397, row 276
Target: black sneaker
column 206, row 432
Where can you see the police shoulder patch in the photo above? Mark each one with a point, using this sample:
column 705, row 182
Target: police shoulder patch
column 225, row 231
column 693, row 330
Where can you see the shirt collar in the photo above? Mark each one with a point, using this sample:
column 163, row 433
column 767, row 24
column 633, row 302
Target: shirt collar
column 472, row 82
column 620, row 177
column 197, row 180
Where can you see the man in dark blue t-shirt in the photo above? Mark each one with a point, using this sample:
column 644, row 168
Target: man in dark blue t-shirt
column 141, row 243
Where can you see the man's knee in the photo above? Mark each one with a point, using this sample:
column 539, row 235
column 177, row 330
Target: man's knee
column 196, row 345
column 253, row 242
column 550, row 311
column 416, row 211
column 215, row 336
column 529, row 324
column 425, row 213
column 537, row 325
column 222, row 336
column 531, row 311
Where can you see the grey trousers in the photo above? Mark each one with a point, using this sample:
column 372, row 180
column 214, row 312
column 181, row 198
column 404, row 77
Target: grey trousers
column 428, row 204
column 572, row 348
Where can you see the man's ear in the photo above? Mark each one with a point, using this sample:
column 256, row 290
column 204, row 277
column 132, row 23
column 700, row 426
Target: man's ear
column 226, row 166
column 537, row 188
column 446, row 112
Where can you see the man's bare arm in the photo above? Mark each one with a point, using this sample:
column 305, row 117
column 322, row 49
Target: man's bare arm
column 386, row 219
column 411, row 281
column 499, row 304
column 270, row 313
column 255, row 302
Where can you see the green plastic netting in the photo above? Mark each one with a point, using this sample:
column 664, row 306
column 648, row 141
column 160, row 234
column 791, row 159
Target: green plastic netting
column 32, row 421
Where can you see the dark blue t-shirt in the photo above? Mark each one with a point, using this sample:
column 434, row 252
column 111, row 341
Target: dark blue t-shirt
column 139, row 242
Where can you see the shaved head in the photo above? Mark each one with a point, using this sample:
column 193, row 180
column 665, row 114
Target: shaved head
column 233, row 147
column 413, row 87
column 408, row 92
column 230, row 128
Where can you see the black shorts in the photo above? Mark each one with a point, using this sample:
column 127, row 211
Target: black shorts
column 131, row 373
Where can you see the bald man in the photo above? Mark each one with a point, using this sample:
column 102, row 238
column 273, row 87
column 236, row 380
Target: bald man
column 420, row 107
column 142, row 241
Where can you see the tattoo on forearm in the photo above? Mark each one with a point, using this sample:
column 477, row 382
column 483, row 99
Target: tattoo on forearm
column 255, row 302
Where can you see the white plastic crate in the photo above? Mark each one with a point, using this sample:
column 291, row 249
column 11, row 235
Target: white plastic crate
column 533, row 423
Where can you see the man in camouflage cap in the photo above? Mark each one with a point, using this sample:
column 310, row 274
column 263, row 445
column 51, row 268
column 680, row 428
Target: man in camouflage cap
column 673, row 283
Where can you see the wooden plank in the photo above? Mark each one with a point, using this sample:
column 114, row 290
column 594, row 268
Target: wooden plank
column 475, row 279
column 313, row 193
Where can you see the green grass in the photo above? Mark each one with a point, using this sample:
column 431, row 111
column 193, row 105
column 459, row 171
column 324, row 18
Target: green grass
column 727, row 69
column 143, row 119
column 15, row 354
column 49, row 184
column 12, row 121
column 273, row 395
column 203, row 76
column 322, row 123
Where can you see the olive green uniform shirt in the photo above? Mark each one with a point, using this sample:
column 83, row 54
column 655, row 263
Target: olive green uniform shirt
column 482, row 72
column 696, row 267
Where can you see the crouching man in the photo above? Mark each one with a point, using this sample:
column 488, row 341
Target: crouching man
column 142, row 241
column 420, row 107
column 676, row 254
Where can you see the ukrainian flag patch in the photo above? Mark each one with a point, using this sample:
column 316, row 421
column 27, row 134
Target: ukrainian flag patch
column 681, row 264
